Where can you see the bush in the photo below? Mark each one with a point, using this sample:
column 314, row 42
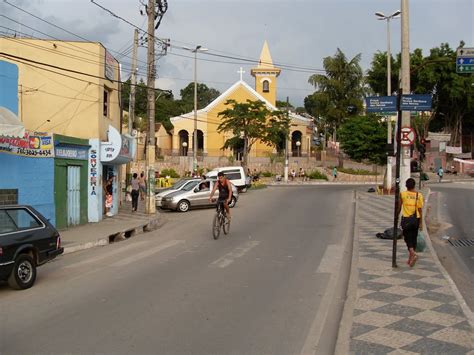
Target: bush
column 169, row 172
column 316, row 174
column 267, row 174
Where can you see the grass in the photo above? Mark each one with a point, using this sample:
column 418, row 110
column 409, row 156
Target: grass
column 317, row 175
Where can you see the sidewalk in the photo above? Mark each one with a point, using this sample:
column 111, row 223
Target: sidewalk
column 402, row 310
column 111, row 229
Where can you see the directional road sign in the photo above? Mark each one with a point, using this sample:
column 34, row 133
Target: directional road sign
column 381, row 103
column 415, row 103
column 408, row 136
column 465, row 60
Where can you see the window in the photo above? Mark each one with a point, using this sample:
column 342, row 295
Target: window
column 266, row 86
column 106, row 107
column 233, row 174
column 17, row 219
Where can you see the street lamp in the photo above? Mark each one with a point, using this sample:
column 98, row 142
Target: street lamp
column 381, row 16
column 298, row 144
column 195, row 50
column 185, row 145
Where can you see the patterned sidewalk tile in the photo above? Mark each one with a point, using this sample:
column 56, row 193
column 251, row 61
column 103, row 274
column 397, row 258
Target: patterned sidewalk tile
column 402, row 310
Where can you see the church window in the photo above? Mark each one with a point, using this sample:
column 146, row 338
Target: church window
column 266, row 86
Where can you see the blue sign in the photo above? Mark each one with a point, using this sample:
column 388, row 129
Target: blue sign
column 71, row 152
column 415, row 103
column 465, row 60
column 381, row 103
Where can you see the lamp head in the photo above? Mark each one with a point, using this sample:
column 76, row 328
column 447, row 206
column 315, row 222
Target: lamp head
column 396, row 14
column 380, row 15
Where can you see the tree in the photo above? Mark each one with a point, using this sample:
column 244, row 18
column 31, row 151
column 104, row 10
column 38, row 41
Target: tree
column 363, row 138
column 205, row 96
column 340, row 88
column 251, row 121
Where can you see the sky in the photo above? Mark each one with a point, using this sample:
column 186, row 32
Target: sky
column 300, row 34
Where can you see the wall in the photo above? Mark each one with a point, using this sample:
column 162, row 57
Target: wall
column 9, row 86
column 34, row 179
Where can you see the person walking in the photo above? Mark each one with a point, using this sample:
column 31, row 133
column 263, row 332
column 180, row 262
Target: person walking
column 109, row 191
column 135, row 192
column 334, row 173
column 440, row 174
column 142, row 184
column 411, row 206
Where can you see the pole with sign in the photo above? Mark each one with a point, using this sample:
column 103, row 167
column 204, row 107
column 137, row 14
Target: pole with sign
column 465, row 60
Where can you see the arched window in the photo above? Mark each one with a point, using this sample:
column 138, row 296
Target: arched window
column 266, row 86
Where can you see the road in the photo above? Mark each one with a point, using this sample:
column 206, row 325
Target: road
column 275, row 285
column 451, row 210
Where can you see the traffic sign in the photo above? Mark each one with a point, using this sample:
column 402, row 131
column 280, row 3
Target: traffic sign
column 381, row 103
column 465, row 60
column 408, row 136
column 415, row 103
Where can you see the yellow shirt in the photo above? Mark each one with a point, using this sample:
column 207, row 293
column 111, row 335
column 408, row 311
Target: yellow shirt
column 408, row 203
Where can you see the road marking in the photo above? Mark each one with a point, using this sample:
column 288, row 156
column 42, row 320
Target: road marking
column 330, row 264
column 147, row 253
column 104, row 256
column 238, row 252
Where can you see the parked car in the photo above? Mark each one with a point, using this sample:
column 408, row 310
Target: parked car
column 197, row 197
column 235, row 174
column 182, row 184
column 27, row 240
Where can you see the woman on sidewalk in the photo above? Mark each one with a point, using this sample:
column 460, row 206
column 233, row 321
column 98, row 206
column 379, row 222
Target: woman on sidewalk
column 135, row 192
column 411, row 206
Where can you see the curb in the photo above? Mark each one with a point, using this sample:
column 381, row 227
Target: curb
column 462, row 303
column 115, row 237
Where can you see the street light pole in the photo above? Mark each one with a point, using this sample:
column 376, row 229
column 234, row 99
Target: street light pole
column 381, row 16
column 198, row 48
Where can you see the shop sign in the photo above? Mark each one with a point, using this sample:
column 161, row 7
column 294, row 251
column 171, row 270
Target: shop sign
column 69, row 152
column 93, row 171
column 33, row 144
column 118, row 149
column 109, row 66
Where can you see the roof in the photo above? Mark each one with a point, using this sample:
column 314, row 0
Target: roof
column 10, row 125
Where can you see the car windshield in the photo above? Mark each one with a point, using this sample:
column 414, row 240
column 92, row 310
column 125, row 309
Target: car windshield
column 179, row 184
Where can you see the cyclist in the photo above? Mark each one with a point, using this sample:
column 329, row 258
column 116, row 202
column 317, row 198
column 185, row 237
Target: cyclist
column 225, row 192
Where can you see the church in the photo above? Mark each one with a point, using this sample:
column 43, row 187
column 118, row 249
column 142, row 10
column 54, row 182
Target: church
column 210, row 142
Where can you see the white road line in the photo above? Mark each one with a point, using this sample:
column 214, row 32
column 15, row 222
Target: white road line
column 331, row 259
column 104, row 256
column 147, row 253
column 238, row 252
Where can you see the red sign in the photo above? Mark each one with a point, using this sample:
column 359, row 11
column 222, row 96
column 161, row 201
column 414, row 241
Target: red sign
column 408, row 136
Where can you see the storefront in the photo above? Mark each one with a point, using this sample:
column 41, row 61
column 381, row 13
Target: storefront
column 70, row 180
column 105, row 159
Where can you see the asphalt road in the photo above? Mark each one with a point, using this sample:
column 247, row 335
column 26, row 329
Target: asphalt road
column 275, row 285
column 451, row 214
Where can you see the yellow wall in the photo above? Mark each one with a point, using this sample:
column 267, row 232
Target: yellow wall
column 73, row 103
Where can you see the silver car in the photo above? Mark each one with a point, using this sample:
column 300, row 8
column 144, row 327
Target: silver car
column 183, row 200
column 182, row 184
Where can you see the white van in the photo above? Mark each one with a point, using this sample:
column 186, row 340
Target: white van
column 235, row 174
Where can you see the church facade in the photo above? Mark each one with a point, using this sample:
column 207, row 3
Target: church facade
column 210, row 142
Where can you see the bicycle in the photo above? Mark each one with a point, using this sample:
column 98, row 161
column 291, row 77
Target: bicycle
column 220, row 221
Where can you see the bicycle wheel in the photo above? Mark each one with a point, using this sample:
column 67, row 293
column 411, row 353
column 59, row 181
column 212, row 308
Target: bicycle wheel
column 216, row 226
column 225, row 224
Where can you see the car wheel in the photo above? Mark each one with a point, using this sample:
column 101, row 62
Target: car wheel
column 183, row 206
column 232, row 202
column 23, row 275
column 243, row 189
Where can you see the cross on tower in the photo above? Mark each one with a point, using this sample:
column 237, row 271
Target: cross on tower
column 241, row 71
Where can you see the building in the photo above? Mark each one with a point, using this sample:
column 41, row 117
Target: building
column 71, row 90
column 210, row 142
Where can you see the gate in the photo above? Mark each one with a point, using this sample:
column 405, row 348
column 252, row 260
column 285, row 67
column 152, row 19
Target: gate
column 73, row 195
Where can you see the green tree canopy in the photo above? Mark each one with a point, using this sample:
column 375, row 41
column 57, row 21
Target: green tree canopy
column 339, row 92
column 251, row 121
column 205, row 95
column 363, row 138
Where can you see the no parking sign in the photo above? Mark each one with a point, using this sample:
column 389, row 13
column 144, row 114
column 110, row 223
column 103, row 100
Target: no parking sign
column 407, row 136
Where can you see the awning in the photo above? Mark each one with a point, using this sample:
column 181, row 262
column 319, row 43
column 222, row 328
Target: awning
column 10, row 125
column 120, row 149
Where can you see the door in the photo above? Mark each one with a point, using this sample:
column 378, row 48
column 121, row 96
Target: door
column 73, row 195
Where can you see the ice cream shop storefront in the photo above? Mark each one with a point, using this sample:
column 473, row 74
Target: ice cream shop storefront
column 105, row 159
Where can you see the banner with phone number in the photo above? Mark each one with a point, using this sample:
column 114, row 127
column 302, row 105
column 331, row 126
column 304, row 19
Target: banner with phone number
column 33, row 144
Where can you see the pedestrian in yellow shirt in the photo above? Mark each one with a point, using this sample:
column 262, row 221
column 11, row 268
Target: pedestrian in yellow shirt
column 411, row 206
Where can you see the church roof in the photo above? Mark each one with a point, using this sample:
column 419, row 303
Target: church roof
column 265, row 63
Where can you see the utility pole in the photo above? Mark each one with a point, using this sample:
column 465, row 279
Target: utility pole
column 131, row 101
column 286, row 141
column 405, row 70
column 150, row 152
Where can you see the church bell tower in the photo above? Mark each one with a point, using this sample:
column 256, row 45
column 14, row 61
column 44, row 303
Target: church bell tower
column 266, row 75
